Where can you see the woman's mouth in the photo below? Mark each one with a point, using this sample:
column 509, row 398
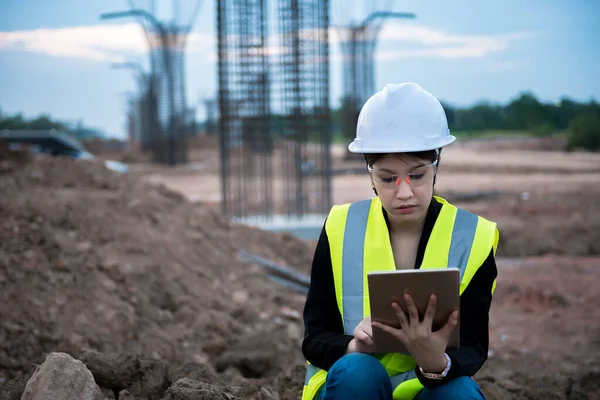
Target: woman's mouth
column 406, row 209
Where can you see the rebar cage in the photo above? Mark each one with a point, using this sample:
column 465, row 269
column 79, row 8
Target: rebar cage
column 171, row 128
column 275, row 125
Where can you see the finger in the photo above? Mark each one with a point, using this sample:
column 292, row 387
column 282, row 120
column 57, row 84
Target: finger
column 368, row 329
column 365, row 326
column 449, row 326
column 363, row 337
column 393, row 331
column 400, row 314
column 412, row 310
column 430, row 312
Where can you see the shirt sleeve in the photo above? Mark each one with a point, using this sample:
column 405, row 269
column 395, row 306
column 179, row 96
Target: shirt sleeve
column 475, row 304
column 324, row 339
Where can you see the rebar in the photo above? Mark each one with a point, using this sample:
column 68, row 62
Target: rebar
column 274, row 127
column 167, row 123
column 358, row 42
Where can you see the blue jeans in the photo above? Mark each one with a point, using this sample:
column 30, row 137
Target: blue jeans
column 359, row 376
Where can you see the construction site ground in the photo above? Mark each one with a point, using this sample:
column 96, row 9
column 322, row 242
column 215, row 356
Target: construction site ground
column 139, row 276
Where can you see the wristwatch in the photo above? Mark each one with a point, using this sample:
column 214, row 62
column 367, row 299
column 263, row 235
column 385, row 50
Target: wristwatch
column 442, row 374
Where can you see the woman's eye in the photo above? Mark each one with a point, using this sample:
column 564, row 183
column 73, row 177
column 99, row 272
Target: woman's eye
column 388, row 179
column 415, row 177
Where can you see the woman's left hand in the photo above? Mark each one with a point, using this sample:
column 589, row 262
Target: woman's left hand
column 426, row 347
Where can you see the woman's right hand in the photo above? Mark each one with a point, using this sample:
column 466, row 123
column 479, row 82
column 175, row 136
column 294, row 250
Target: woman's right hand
column 363, row 338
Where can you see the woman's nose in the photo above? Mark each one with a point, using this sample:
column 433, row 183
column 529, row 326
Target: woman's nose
column 403, row 189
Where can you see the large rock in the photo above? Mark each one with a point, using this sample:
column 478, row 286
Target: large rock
column 62, row 377
column 142, row 377
column 186, row 389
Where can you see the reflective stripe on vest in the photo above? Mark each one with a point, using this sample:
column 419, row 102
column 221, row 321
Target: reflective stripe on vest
column 311, row 371
column 398, row 379
column 353, row 261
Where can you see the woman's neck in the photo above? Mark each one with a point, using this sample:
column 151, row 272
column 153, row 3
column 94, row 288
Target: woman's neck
column 402, row 228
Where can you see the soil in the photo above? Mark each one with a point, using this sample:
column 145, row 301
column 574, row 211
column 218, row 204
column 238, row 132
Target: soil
column 148, row 290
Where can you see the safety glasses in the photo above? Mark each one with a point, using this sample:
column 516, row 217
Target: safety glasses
column 417, row 176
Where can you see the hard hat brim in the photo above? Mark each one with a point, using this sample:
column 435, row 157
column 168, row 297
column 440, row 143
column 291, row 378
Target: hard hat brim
column 354, row 148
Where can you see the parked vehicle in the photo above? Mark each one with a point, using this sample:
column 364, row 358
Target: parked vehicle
column 54, row 143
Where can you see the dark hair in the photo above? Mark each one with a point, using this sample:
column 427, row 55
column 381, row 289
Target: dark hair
column 431, row 155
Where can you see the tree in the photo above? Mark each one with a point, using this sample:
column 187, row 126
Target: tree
column 584, row 133
column 18, row 123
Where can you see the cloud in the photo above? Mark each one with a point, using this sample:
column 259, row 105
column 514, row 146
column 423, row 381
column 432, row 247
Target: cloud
column 105, row 43
column 433, row 43
column 101, row 43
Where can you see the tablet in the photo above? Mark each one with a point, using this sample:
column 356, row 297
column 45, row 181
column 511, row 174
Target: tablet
column 388, row 286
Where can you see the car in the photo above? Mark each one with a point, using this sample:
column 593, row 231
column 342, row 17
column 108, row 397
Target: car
column 55, row 143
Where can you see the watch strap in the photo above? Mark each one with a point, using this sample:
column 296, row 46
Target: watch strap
column 441, row 375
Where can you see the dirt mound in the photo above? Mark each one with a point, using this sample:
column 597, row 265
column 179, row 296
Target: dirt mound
column 93, row 260
column 545, row 329
column 541, row 223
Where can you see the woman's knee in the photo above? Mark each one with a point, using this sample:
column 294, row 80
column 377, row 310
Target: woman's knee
column 458, row 388
column 357, row 369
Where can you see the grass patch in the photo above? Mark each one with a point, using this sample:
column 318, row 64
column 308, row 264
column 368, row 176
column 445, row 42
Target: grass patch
column 494, row 134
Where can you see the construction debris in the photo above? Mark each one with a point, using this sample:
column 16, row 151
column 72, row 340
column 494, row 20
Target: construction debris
column 278, row 273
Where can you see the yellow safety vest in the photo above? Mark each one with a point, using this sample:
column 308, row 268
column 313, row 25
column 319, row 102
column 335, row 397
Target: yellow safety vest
column 359, row 243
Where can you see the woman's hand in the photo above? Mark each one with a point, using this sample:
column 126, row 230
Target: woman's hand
column 363, row 338
column 426, row 347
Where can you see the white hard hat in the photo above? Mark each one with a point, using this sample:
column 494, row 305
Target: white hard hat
column 401, row 118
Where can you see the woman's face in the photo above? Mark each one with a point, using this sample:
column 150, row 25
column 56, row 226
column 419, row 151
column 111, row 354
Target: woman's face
column 404, row 185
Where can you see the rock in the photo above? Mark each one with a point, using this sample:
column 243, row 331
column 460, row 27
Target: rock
column 125, row 395
column 61, row 377
column 253, row 390
column 196, row 372
column 142, row 377
column 186, row 389
column 13, row 389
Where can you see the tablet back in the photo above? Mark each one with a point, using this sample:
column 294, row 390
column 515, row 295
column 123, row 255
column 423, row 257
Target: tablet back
column 388, row 286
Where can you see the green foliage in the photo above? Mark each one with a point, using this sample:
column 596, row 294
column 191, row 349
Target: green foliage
column 492, row 133
column 544, row 130
column 17, row 122
column 44, row 122
column 523, row 113
column 584, row 133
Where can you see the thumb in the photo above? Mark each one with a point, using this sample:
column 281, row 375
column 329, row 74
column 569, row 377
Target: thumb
column 450, row 325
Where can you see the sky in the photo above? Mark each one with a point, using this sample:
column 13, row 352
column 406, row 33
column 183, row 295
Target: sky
column 55, row 56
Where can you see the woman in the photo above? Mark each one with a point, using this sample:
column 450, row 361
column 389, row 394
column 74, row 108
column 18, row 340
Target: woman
column 401, row 132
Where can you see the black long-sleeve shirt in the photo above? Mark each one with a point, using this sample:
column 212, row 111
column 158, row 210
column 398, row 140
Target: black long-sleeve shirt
column 324, row 339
